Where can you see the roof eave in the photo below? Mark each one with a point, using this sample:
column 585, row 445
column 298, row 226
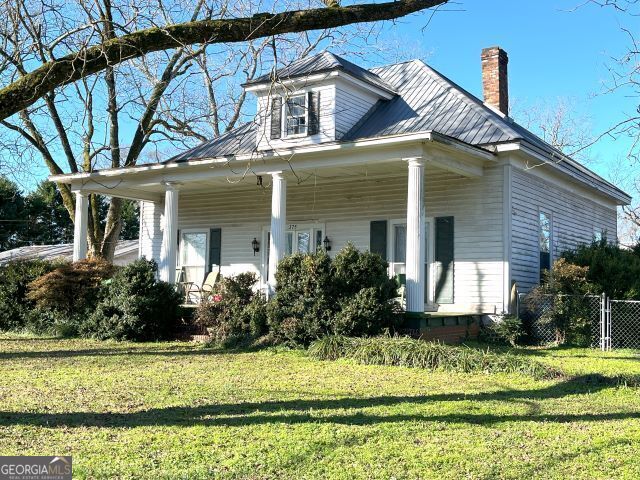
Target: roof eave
column 161, row 168
column 621, row 197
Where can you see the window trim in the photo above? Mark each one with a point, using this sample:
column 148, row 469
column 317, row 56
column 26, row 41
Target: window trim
column 206, row 247
column 285, row 101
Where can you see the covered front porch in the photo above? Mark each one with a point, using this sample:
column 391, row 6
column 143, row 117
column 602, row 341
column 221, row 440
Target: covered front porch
column 420, row 205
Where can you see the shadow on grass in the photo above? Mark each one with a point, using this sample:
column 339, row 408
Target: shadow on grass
column 549, row 351
column 320, row 410
column 115, row 350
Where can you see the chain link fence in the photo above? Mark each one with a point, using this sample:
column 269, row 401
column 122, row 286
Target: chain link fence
column 596, row 320
column 541, row 315
column 623, row 323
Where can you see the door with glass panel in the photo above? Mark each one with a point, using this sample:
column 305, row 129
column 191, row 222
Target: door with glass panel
column 193, row 254
column 299, row 239
column 398, row 255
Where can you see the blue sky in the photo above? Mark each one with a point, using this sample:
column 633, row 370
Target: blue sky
column 555, row 50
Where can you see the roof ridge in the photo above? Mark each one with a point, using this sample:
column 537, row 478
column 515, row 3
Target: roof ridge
column 473, row 101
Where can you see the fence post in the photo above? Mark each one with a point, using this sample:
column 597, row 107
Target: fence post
column 603, row 301
column 609, row 321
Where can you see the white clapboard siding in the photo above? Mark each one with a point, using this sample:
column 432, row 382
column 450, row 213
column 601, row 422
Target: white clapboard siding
column 327, row 123
column 351, row 105
column 346, row 208
column 575, row 219
column 150, row 230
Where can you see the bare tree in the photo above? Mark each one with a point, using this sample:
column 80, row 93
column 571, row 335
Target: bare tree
column 559, row 124
column 111, row 50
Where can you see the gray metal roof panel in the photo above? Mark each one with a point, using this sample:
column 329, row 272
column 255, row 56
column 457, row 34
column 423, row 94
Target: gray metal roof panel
column 239, row 141
column 64, row 250
column 319, row 63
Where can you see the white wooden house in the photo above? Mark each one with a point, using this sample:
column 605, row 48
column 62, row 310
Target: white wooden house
column 398, row 160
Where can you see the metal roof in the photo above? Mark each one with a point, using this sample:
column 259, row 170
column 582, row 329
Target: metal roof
column 425, row 101
column 239, row 141
column 319, row 63
column 64, row 250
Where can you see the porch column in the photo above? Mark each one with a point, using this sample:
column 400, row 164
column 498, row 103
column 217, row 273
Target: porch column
column 278, row 237
column 80, row 226
column 415, row 254
column 170, row 234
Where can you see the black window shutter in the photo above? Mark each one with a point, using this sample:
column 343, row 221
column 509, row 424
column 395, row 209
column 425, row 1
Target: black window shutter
column 378, row 238
column 444, row 259
column 313, row 102
column 276, row 117
column 215, row 245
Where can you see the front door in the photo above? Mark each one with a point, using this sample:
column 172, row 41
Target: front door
column 301, row 238
column 397, row 255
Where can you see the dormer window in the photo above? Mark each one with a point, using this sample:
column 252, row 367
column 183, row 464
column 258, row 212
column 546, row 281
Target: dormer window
column 301, row 114
column 296, row 117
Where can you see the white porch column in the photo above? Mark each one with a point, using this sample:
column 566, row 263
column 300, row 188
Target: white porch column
column 415, row 255
column 169, row 235
column 278, row 237
column 80, row 226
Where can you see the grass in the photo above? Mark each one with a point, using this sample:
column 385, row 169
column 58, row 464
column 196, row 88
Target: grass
column 176, row 410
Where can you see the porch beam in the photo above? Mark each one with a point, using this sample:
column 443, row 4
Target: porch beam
column 277, row 246
column 80, row 226
column 416, row 249
column 116, row 189
column 169, row 248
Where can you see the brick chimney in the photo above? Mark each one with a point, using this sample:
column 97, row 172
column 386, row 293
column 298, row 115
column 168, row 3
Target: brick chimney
column 495, row 80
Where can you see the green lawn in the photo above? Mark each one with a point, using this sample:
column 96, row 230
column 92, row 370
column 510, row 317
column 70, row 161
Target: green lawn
column 176, row 410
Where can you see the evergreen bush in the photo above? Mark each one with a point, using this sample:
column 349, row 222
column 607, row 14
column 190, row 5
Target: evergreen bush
column 15, row 307
column 135, row 306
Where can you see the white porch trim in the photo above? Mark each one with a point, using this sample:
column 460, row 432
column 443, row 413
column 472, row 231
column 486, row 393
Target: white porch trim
column 169, row 248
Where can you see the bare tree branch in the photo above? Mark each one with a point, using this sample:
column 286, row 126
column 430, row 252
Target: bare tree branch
column 28, row 89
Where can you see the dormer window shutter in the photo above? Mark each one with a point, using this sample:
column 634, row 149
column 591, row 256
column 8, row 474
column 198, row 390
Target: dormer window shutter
column 313, row 104
column 276, row 118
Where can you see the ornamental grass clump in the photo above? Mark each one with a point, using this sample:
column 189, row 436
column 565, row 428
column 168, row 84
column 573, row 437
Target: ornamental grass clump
column 408, row 352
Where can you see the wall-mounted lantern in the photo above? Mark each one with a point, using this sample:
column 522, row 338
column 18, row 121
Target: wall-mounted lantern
column 326, row 243
column 255, row 244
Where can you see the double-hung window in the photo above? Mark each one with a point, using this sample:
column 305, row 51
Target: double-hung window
column 296, row 115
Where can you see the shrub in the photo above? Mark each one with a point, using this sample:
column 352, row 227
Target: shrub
column 305, row 299
column 234, row 311
column 367, row 312
column 134, row 305
column 507, row 329
column 15, row 307
column 72, row 288
column 316, row 296
column 355, row 270
column 565, row 288
column 408, row 352
column 610, row 268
